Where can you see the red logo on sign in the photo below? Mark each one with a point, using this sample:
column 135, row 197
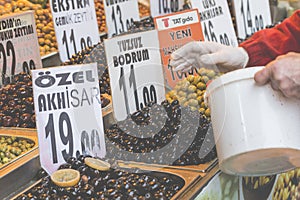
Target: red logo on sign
column 166, row 22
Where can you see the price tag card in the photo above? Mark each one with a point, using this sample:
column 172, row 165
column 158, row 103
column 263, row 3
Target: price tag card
column 216, row 21
column 162, row 7
column 174, row 31
column 251, row 16
column 19, row 48
column 135, row 70
column 68, row 113
column 118, row 18
column 75, row 25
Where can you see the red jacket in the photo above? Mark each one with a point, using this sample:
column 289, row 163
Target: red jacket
column 265, row 45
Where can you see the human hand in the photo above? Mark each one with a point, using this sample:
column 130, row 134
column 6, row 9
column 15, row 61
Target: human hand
column 208, row 55
column 283, row 74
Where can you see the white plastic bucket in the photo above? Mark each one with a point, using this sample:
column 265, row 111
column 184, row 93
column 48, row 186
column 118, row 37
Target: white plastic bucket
column 256, row 129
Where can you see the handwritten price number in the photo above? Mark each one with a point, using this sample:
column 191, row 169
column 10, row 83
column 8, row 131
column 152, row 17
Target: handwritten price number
column 117, row 16
column 211, row 36
column 149, row 94
column 8, row 50
column 27, row 67
column 89, row 145
column 164, row 7
column 67, row 139
column 180, row 75
column 248, row 25
column 84, row 43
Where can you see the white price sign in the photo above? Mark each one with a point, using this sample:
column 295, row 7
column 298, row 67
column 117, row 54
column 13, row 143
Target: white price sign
column 118, row 18
column 75, row 26
column 68, row 113
column 19, row 48
column 251, row 16
column 216, row 21
column 162, row 7
column 136, row 73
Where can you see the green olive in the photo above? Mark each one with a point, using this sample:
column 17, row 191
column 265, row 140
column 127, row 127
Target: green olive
column 5, row 160
column 197, row 79
column 211, row 74
column 192, row 88
column 204, row 79
column 193, row 102
column 190, row 78
column 201, row 86
column 192, row 96
column 181, row 94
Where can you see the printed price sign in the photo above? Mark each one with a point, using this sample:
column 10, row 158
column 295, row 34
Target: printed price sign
column 118, row 18
column 162, row 7
column 75, row 26
column 251, row 16
column 216, row 21
column 19, row 48
column 135, row 70
column 174, row 31
column 68, row 112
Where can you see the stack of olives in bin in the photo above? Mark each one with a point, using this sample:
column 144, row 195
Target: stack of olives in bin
column 99, row 7
column 43, row 19
column 11, row 147
column 92, row 54
column 16, row 103
column 190, row 91
column 165, row 133
column 107, row 183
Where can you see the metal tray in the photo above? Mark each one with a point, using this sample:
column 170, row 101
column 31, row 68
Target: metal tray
column 190, row 179
column 23, row 168
column 29, row 135
column 195, row 180
column 51, row 60
column 201, row 168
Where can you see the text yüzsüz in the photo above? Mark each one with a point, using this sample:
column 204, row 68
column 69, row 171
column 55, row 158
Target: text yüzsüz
column 137, row 52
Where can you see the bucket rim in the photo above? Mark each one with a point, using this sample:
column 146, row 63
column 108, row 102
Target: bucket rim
column 233, row 76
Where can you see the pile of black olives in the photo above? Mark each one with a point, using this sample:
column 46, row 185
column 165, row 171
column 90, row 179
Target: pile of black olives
column 143, row 25
column 17, row 105
column 112, row 184
column 163, row 133
column 16, row 102
column 91, row 55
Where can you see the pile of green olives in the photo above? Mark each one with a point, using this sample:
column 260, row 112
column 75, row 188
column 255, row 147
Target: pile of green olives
column 11, row 147
column 190, row 91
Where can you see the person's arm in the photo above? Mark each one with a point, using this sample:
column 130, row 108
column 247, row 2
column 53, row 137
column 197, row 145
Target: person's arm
column 258, row 50
column 265, row 45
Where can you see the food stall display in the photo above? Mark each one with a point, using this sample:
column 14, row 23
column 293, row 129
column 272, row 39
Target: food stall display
column 96, row 181
column 163, row 151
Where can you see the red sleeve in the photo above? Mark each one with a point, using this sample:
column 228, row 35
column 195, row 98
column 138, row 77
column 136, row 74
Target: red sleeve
column 265, row 45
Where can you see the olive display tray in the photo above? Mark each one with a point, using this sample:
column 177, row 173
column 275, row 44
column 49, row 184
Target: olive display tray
column 107, row 109
column 23, row 168
column 109, row 120
column 201, row 168
column 20, row 133
column 187, row 179
column 195, row 179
